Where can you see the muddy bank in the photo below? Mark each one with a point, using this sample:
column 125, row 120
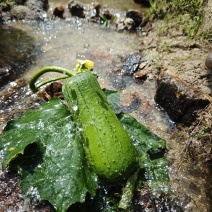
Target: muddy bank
column 189, row 147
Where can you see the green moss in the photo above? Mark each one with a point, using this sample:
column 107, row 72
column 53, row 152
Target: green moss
column 186, row 15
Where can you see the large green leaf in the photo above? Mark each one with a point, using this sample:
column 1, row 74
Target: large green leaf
column 45, row 146
column 151, row 149
column 113, row 99
column 53, row 166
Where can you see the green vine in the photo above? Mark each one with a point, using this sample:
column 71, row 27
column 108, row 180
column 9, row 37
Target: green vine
column 82, row 65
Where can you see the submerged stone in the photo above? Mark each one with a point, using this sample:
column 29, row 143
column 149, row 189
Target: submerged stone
column 22, row 9
column 21, row 12
column 76, row 8
column 131, row 64
column 179, row 100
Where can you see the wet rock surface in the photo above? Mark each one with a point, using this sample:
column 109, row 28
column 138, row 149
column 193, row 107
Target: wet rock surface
column 4, row 73
column 136, row 16
column 18, row 10
column 76, row 8
column 51, row 90
column 189, row 148
column 21, row 12
column 178, row 99
column 37, row 6
column 10, row 196
column 131, row 64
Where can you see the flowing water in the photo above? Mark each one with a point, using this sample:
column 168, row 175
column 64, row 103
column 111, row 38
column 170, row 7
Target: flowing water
column 62, row 42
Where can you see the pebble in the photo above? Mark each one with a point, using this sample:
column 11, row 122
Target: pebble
column 208, row 61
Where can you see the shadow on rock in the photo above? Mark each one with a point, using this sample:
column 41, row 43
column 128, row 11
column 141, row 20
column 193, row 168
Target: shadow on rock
column 179, row 100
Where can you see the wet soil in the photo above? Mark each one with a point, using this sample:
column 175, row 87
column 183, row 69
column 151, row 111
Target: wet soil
column 191, row 164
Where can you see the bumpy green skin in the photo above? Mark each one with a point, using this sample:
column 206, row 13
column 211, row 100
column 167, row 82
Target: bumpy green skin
column 109, row 150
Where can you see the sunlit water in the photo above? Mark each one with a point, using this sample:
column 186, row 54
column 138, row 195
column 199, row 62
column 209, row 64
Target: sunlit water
column 62, row 42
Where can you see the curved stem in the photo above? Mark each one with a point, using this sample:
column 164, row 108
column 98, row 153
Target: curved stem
column 34, row 88
column 51, row 80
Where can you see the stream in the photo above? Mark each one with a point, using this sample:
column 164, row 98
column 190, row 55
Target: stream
column 26, row 47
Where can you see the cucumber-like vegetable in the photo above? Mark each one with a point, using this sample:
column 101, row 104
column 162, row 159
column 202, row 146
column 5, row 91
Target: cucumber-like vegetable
column 109, row 149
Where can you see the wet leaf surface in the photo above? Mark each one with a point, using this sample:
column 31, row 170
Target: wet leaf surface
column 52, row 167
column 44, row 145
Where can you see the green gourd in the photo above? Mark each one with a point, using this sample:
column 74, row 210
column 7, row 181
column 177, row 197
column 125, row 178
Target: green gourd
column 109, row 150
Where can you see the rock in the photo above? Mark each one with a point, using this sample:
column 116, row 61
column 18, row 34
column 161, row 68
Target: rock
column 58, row 11
column 22, row 9
column 11, row 89
column 125, row 24
column 136, row 16
column 97, row 8
column 4, row 73
column 208, row 61
column 140, row 76
column 131, row 64
column 37, row 6
column 179, row 100
column 142, row 65
column 51, row 90
column 21, row 12
column 76, row 9
column 107, row 14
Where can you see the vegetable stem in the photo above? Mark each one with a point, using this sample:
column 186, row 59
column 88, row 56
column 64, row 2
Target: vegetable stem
column 35, row 87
